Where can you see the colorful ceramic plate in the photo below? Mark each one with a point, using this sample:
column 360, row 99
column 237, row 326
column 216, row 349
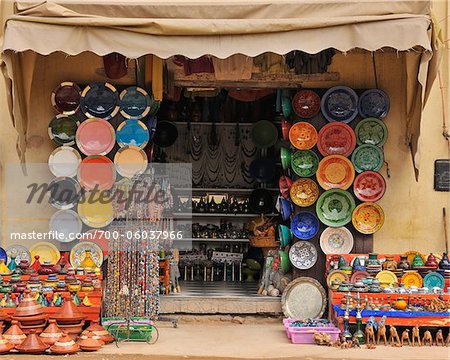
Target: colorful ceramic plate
column 340, row 103
column 335, row 172
column 305, row 225
column 100, row 100
column 96, row 213
column 46, row 251
column 338, row 275
column 284, row 184
column 359, row 275
column 130, row 161
column 64, row 161
column 303, row 135
column 412, row 278
column 67, row 224
column 95, row 137
column 64, row 192
column 336, row 138
column 368, row 218
column 66, row 98
column 285, row 156
column 78, row 253
column 62, row 129
column 285, row 207
column 336, row 241
column 97, row 172
column 374, row 103
column 303, row 255
column 3, row 255
column 433, row 279
column 304, row 192
column 371, row 131
column 387, row 278
column 367, row 157
column 18, row 252
column 369, row 186
column 284, row 262
column 132, row 132
column 306, row 104
column 286, row 106
column 264, row 134
column 305, row 163
column 335, row 207
column 284, row 234
column 135, row 103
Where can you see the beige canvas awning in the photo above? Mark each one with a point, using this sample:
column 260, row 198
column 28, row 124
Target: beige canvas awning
column 220, row 28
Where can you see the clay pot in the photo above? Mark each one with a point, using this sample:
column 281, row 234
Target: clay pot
column 64, row 345
column 32, row 345
column 51, row 334
column 5, row 345
column 73, row 330
column 99, row 331
column 68, row 314
column 46, row 269
column 27, row 329
column 400, row 304
column 91, row 342
column 14, row 334
column 28, row 307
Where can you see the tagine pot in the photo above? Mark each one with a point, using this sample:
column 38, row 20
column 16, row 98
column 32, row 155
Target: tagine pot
column 68, row 314
column 444, row 264
column 73, row 330
column 372, row 260
column 90, row 342
column 28, row 307
column 417, row 261
column 32, row 345
column 46, row 268
column 51, row 334
column 14, row 334
column 5, row 345
column 431, row 261
column 99, row 331
column 65, row 345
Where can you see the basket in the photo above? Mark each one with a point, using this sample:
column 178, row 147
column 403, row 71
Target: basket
column 263, row 241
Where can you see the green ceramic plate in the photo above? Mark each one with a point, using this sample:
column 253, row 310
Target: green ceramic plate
column 335, row 207
column 305, row 163
column 264, row 134
column 371, row 131
column 284, row 262
column 285, row 156
column 286, row 106
column 367, row 157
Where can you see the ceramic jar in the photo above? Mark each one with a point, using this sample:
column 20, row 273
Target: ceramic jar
column 373, row 260
column 390, row 263
column 400, row 304
column 404, row 263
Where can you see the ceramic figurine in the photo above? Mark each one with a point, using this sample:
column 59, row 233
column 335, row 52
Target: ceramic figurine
column 416, row 336
column 427, row 338
column 393, row 336
column 403, row 263
column 405, row 337
column 439, row 338
column 370, row 336
column 381, row 334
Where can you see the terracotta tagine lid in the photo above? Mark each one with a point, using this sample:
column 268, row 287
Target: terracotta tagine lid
column 65, row 345
column 14, row 334
column 32, row 344
column 99, row 331
column 68, row 313
column 90, row 342
column 51, row 334
column 28, row 307
column 5, row 345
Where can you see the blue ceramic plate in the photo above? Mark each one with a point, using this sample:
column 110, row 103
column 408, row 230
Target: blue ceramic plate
column 340, row 103
column 100, row 100
column 3, row 255
column 374, row 103
column 132, row 132
column 286, row 208
column 305, row 225
column 433, row 279
column 135, row 103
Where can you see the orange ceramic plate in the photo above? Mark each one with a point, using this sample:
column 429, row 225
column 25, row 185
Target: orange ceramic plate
column 411, row 278
column 368, row 218
column 303, row 135
column 335, row 172
column 336, row 275
column 304, row 192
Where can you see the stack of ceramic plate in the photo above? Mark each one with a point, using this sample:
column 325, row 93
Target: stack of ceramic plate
column 373, row 269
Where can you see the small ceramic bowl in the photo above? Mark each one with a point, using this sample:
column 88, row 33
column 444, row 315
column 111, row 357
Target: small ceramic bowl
column 285, row 235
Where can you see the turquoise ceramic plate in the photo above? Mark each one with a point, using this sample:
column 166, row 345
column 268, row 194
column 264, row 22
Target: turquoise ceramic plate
column 284, row 234
column 335, row 207
column 433, row 279
column 367, row 157
column 371, row 131
column 305, row 163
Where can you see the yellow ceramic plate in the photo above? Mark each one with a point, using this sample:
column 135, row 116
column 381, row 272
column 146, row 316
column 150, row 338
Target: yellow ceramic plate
column 387, row 278
column 336, row 275
column 46, row 251
column 411, row 278
column 304, row 192
column 78, row 253
column 368, row 218
column 96, row 213
column 335, row 172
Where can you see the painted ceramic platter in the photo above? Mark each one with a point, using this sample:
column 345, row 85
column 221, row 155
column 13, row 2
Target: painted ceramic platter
column 387, row 278
column 66, row 98
column 336, row 138
column 284, row 184
column 306, row 103
column 284, row 235
column 132, row 132
column 305, row 163
column 303, row 255
column 368, row 218
column 100, row 100
column 95, row 137
column 412, row 278
column 67, row 224
column 98, row 237
column 46, row 251
column 336, row 240
column 303, row 135
column 371, row 131
column 62, row 129
column 369, row 186
column 285, row 156
column 97, row 172
column 64, row 161
column 304, row 192
column 3, row 255
column 433, row 279
column 367, row 157
column 335, row 172
column 335, row 207
column 18, row 252
column 286, row 207
column 340, row 103
column 78, row 253
column 359, row 275
column 305, row 225
column 374, row 103
column 304, row 298
column 135, row 103
column 64, row 192
column 95, row 213
column 338, row 275
column 130, row 161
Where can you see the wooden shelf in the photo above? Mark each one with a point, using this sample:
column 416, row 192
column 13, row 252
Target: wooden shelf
column 219, row 190
column 216, row 215
column 213, row 240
